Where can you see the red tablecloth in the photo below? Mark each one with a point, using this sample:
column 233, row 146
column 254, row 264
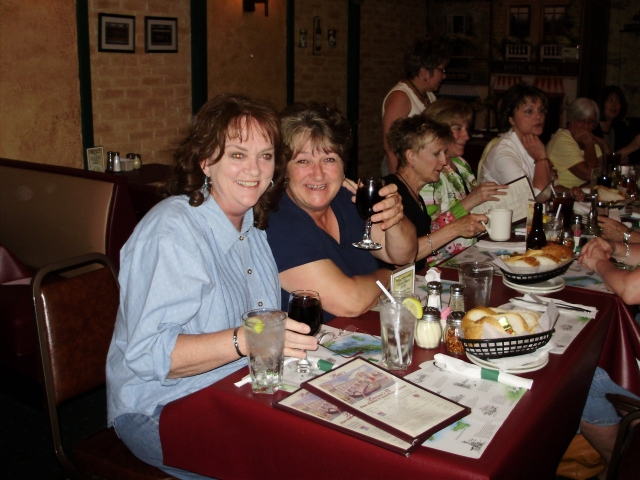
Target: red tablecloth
column 228, row 432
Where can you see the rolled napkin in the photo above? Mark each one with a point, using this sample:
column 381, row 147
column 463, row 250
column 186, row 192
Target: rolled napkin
column 432, row 275
column 509, row 246
column 528, row 302
column 455, row 365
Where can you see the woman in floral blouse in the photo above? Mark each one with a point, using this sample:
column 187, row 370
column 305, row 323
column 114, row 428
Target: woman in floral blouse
column 457, row 191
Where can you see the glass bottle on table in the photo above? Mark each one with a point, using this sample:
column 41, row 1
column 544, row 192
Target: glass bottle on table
column 434, row 295
column 591, row 230
column 536, row 238
column 456, row 302
column 604, row 178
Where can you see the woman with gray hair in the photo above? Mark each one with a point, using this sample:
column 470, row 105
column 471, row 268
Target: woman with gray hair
column 575, row 151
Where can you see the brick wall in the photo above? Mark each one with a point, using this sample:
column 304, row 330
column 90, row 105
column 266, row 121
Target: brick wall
column 141, row 101
column 387, row 28
column 323, row 77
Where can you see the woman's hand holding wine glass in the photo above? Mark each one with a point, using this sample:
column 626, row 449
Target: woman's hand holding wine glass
column 367, row 196
column 305, row 307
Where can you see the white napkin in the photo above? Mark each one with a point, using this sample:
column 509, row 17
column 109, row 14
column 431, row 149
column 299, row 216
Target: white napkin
column 432, row 275
column 541, row 308
column 509, row 246
column 507, row 363
column 581, row 208
column 521, row 231
column 455, row 365
column 614, row 214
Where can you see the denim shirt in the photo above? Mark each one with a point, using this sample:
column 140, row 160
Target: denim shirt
column 183, row 270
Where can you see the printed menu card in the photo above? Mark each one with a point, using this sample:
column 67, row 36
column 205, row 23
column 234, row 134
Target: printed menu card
column 386, row 401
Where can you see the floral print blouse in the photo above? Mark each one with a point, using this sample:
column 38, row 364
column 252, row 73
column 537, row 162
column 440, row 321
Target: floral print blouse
column 443, row 205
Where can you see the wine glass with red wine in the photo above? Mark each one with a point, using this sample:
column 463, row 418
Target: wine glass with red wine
column 305, row 307
column 367, row 195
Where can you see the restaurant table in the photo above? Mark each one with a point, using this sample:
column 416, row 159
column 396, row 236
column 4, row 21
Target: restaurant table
column 228, row 432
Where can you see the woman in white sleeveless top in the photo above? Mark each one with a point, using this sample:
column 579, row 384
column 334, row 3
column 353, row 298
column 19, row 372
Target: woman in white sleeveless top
column 424, row 65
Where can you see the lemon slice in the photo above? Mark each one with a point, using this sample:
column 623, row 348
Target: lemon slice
column 414, row 306
column 255, row 324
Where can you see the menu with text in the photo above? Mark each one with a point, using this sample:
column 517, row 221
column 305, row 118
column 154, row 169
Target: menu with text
column 519, row 194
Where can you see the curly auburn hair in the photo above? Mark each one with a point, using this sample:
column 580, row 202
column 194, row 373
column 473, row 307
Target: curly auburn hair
column 415, row 133
column 451, row 112
column 223, row 117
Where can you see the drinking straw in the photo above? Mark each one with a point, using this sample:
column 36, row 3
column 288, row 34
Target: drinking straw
column 396, row 330
column 385, row 291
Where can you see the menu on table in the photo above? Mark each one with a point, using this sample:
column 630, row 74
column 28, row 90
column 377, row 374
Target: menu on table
column 397, row 406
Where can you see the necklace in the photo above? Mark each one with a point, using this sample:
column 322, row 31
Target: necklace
column 424, row 95
column 413, row 194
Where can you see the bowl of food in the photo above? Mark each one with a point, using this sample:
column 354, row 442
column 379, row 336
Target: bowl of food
column 535, row 266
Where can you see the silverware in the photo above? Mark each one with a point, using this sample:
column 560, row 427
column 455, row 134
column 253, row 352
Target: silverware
column 559, row 305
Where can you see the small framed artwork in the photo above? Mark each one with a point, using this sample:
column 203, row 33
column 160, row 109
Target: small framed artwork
column 95, row 159
column 160, row 35
column 116, row 33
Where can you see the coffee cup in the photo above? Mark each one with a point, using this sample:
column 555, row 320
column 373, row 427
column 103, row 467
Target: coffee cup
column 499, row 224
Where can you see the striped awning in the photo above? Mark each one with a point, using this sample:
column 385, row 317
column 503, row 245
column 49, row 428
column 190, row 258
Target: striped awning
column 549, row 85
column 458, row 91
column 500, row 83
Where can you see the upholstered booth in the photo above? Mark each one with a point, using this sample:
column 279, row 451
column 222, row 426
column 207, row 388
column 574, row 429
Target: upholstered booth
column 48, row 214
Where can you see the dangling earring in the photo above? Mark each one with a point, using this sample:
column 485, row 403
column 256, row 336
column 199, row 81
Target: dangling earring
column 207, row 183
column 271, row 184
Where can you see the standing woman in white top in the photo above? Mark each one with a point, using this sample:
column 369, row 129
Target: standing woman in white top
column 520, row 151
column 424, row 66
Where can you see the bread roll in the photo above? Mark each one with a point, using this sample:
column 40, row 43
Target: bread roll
column 523, row 322
column 606, row 194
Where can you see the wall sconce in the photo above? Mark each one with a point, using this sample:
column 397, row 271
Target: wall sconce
column 250, row 6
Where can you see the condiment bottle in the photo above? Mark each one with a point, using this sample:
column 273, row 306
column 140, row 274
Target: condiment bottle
column 577, row 231
column 434, row 291
column 536, row 238
column 116, row 161
column 428, row 330
column 137, row 161
column 110, row 158
column 567, row 232
column 456, row 303
column 453, row 333
column 591, row 230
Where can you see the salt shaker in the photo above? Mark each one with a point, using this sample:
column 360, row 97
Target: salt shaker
column 428, row 330
column 434, row 291
column 137, row 162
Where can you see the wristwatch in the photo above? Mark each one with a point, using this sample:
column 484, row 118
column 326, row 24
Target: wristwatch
column 626, row 236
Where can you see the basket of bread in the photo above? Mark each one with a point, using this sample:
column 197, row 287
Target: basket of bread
column 511, row 332
column 535, row 266
column 611, row 196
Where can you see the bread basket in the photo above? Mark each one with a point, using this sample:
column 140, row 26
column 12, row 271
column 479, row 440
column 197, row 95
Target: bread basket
column 506, row 347
column 528, row 278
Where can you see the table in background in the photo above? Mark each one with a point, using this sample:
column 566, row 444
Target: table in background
column 228, row 432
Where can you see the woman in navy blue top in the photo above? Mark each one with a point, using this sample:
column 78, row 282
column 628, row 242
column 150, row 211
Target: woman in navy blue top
column 312, row 231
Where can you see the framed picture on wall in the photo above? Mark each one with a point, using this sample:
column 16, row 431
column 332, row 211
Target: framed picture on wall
column 95, row 159
column 116, row 33
column 160, row 35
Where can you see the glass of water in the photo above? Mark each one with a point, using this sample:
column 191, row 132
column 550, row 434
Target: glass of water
column 477, row 277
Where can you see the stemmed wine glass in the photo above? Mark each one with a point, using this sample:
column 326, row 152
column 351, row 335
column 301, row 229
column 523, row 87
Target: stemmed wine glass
column 367, row 196
column 305, row 307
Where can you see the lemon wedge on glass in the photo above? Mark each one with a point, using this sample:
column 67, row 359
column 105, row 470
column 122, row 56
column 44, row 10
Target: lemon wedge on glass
column 414, row 306
column 255, row 324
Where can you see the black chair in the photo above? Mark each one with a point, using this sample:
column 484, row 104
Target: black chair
column 625, row 459
column 75, row 318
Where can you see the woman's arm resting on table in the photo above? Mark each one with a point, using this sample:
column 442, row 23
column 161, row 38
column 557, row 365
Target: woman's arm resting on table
column 392, row 230
column 340, row 295
column 595, row 256
column 397, row 106
column 614, row 230
column 195, row 354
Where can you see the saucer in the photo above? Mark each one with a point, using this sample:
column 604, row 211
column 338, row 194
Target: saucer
column 548, row 286
column 527, row 367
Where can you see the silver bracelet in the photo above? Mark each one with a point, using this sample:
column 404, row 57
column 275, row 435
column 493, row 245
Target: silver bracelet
column 626, row 236
column 626, row 254
column 433, row 252
column 235, row 342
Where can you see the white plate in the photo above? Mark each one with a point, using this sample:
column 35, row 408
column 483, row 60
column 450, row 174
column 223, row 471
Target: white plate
column 549, row 286
column 527, row 367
